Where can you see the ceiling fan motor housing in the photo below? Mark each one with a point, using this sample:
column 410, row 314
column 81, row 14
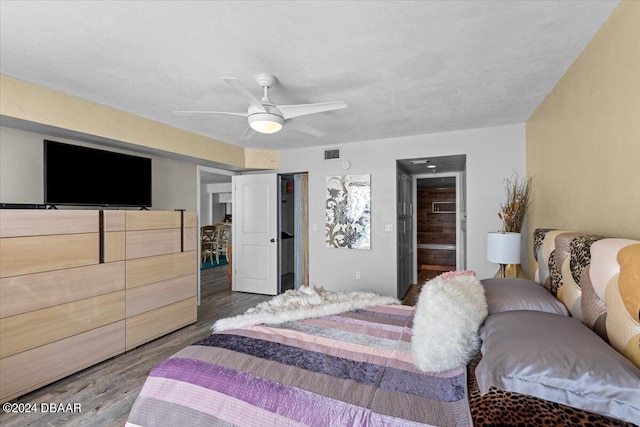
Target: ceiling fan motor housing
column 270, row 121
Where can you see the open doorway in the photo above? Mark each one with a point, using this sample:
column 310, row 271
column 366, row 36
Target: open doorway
column 213, row 206
column 294, row 237
column 431, row 223
column 440, row 232
column 287, row 217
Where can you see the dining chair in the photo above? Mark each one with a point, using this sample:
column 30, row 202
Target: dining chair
column 208, row 242
column 223, row 237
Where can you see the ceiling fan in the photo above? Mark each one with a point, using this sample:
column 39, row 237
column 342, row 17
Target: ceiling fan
column 266, row 117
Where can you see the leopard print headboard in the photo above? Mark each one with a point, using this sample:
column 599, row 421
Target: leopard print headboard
column 597, row 279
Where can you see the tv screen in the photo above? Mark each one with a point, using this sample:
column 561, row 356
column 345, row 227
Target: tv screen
column 75, row 175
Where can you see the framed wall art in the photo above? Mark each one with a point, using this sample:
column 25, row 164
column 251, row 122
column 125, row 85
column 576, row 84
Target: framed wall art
column 348, row 209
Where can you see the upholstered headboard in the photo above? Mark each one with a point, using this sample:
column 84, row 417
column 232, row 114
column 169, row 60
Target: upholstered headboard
column 597, row 279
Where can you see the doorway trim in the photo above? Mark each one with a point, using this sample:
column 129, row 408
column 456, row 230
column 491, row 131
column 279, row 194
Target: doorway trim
column 201, row 169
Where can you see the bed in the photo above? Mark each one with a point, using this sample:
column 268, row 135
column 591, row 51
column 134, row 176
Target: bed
column 352, row 368
column 356, row 365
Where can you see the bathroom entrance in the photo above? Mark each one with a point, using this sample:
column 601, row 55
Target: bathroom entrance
column 436, row 225
column 432, row 218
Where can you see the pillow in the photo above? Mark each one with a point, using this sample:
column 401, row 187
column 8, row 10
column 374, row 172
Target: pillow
column 520, row 294
column 557, row 358
column 449, row 311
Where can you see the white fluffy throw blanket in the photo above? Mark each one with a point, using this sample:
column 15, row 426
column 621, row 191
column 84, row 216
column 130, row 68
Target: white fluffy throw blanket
column 450, row 309
column 303, row 303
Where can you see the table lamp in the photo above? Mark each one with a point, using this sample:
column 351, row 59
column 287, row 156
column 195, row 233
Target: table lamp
column 503, row 249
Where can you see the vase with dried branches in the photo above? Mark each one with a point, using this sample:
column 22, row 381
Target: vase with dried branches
column 512, row 213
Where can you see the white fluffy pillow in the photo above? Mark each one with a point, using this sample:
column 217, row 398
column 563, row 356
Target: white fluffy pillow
column 450, row 309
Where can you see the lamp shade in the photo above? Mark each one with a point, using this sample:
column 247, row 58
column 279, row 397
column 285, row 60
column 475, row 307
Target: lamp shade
column 265, row 122
column 503, row 248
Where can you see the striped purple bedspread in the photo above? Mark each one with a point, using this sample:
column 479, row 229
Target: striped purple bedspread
column 351, row 369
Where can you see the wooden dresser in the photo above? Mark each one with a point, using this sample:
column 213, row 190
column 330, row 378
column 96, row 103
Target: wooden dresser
column 81, row 286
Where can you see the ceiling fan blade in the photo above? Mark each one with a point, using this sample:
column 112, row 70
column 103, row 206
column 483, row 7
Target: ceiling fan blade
column 305, row 128
column 248, row 134
column 290, row 111
column 210, row 112
column 244, row 92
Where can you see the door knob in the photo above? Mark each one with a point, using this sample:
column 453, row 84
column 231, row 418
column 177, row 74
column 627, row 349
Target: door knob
column 273, row 240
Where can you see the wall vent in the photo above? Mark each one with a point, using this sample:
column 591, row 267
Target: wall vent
column 332, row 154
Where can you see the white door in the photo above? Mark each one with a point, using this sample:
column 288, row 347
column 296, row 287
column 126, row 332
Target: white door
column 255, row 233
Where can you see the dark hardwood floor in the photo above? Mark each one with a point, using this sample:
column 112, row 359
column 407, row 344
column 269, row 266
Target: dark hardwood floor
column 106, row 391
column 411, row 298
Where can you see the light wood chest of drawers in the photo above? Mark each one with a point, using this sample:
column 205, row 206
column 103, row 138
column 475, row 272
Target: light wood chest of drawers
column 81, row 286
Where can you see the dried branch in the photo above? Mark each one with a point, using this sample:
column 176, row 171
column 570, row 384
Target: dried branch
column 512, row 212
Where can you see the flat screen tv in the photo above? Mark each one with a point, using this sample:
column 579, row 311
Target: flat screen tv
column 82, row 176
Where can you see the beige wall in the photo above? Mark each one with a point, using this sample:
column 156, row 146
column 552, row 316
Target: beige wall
column 583, row 141
column 260, row 159
column 37, row 104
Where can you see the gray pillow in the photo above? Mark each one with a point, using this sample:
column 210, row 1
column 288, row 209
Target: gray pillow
column 520, row 294
column 559, row 359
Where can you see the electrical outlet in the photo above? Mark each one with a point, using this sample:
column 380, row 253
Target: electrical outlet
column 388, row 227
column 357, row 275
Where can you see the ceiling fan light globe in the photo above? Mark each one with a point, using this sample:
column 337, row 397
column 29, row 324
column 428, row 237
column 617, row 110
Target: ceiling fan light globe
column 266, row 123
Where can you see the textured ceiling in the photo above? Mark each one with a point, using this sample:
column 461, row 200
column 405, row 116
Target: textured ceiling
column 403, row 68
